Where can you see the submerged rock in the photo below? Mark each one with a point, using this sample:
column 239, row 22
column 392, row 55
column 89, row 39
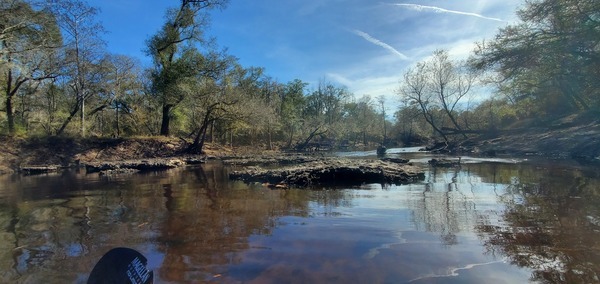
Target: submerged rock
column 333, row 171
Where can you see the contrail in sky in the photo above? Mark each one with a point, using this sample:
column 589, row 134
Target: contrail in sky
column 375, row 41
column 442, row 10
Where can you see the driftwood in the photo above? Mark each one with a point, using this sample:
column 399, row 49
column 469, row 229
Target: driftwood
column 333, row 172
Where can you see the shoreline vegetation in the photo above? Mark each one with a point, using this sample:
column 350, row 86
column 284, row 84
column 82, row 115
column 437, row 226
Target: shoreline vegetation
column 563, row 139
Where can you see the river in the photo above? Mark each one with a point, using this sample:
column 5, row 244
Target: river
column 487, row 221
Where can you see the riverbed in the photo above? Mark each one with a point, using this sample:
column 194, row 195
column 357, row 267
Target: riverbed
column 497, row 220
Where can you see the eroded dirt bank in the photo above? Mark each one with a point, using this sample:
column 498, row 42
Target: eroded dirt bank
column 572, row 137
column 59, row 152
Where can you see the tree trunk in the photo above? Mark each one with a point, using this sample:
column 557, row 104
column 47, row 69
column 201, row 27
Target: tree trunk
column 11, row 91
column 200, row 139
column 201, row 136
column 68, row 120
column 291, row 139
column 454, row 122
column 429, row 120
column 10, row 117
column 270, row 145
column 310, row 137
column 82, row 101
column 166, row 120
column 117, row 120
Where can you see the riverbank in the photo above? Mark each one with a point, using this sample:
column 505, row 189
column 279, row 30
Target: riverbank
column 125, row 156
column 63, row 152
column 572, row 137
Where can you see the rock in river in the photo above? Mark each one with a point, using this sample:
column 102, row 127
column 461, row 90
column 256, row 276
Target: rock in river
column 333, row 172
column 140, row 165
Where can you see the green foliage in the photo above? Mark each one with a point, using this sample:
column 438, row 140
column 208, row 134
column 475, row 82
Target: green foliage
column 410, row 126
column 552, row 57
column 29, row 37
column 362, row 122
column 174, row 64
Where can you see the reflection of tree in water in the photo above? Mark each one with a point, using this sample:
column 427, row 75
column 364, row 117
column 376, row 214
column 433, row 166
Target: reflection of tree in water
column 551, row 223
column 446, row 205
column 214, row 220
column 38, row 232
column 56, row 227
column 328, row 200
column 205, row 219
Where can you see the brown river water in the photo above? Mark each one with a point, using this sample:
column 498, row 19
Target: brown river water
column 489, row 221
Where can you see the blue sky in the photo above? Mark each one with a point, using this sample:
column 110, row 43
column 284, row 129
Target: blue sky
column 361, row 44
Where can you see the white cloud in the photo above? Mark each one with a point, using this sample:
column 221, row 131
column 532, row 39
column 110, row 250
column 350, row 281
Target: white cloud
column 338, row 78
column 374, row 86
column 442, row 10
column 375, row 41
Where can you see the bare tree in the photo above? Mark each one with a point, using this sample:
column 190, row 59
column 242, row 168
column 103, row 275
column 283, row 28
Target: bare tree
column 82, row 52
column 438, row 84
column 450, row 81
column 414, row 89
column 121, row 79
column 381, row 101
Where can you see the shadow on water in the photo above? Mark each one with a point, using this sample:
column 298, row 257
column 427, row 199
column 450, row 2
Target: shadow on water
column 481, row 222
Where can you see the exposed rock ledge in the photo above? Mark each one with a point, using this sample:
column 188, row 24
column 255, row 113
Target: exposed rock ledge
column 333, row 171
column 134, row 165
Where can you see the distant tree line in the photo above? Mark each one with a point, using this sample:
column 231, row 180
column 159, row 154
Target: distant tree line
column 57, row 78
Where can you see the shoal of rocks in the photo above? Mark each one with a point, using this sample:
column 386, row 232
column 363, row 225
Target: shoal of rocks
column 333, row 171
column 269, row 160
column 139, row 165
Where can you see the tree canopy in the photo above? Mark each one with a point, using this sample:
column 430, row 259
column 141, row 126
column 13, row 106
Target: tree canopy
column 56, row 78
column 551, row 57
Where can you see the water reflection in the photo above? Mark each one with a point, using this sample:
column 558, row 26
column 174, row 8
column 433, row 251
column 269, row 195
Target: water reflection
column 549, row 224
column 486, row 222
column 206, row 224
column 187, row 222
